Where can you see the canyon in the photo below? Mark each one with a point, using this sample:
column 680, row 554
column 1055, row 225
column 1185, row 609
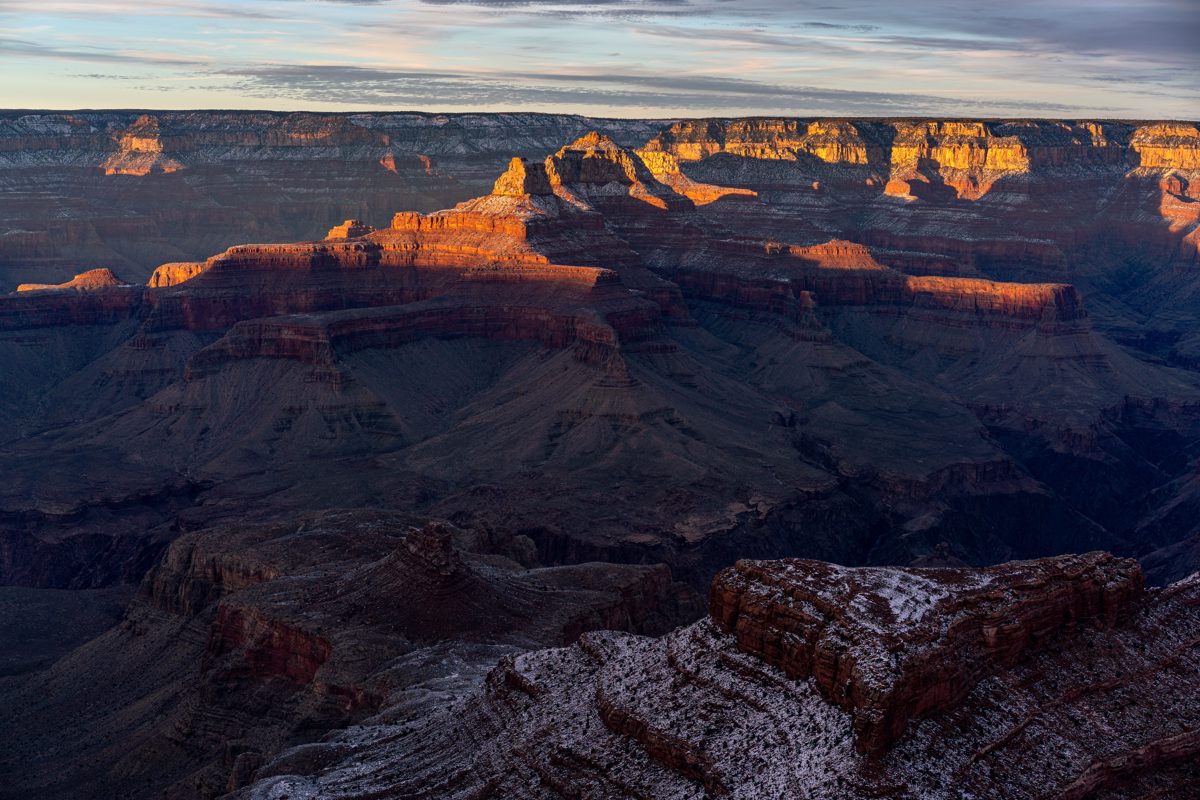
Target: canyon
column 526, row 381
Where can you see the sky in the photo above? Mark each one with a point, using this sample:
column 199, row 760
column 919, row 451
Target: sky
column 662, row 58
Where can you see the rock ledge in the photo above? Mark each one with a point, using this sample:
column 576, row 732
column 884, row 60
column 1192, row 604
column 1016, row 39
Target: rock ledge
column 891, row 645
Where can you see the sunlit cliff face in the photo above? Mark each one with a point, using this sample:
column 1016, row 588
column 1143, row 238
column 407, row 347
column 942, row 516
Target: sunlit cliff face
column 139, row 151
column 966, row 157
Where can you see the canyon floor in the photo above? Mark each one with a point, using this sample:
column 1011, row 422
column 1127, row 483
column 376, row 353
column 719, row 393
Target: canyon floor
column 310, row 514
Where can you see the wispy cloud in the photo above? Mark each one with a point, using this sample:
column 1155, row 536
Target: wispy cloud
column 29, row 49
column 1077, row 57
column 359, row 86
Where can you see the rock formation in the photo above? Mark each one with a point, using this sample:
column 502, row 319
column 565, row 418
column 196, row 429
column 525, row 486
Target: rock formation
column 175, row 272
column 140, row 151
column 892, row 645
column 1081, row 685
column 589, row 255
column 350, row 229
column 133, row 190
column 523, row 178
column 83, row 282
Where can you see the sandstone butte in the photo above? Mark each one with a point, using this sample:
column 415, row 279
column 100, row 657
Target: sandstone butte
column 140, row 151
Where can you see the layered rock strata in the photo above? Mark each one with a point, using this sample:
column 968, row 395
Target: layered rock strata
column 893, row 645
column 174, row 273
column 350, row 229
column 134, row 190
column 647, row 357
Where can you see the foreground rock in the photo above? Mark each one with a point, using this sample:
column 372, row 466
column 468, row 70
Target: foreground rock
column 1092, row 694
column 891, row 645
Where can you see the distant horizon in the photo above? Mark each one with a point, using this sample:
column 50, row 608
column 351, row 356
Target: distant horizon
column 580, row 115
column 618, row 59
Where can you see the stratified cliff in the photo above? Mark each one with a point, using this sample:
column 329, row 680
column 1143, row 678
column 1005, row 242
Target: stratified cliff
column 1048, row 199
column 131, row 190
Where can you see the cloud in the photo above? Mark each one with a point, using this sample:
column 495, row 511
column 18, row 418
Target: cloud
column 754, row 37
column 133, row 8
column 753, row 56
column 1152, row 29
column 835, row 26
column 412, row 88
column 633, row 6
column 28, row 49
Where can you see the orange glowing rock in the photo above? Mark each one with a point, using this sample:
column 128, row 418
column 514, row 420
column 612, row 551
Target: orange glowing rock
column 140, row 151
column 350, row 229
column 84, row 281
column 523, row 178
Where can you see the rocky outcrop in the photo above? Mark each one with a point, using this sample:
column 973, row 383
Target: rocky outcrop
column 1053, row 302
column 893, row 645
column 197, row 571
column 840, row 273
column 1167, row 146
column 594, row 168
column 350, row 229
column 139, row 151
column 917, row 186
column 40, row 308
column 964, row 147
column 83, row 282
column 175, row 273
column 598, row 332
column 1088, row 693
column 523, row 178
column 267, row 648
column 830, row 141
column 666, row 169
column 966, row 157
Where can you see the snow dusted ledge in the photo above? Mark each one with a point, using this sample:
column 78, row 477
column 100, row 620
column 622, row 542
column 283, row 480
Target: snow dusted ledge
column 890, row 645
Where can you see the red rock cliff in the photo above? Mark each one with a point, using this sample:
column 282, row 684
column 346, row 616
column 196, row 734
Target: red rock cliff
column 892, row 645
